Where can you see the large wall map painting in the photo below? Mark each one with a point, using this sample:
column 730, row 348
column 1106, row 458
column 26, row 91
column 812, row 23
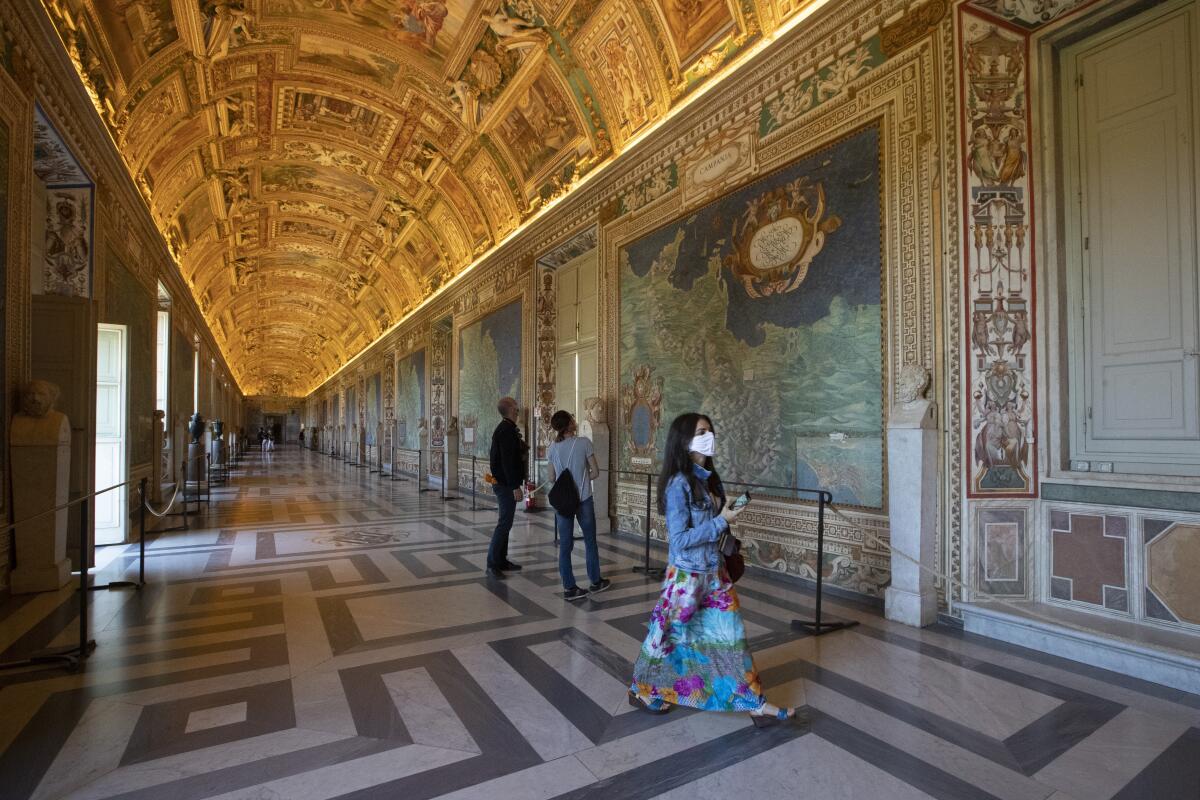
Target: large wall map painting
column 374, row 405
column 762, row 309
column 489, row 367
column 410, row 399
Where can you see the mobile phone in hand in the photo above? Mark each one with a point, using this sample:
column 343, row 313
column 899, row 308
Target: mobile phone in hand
column 741, row 501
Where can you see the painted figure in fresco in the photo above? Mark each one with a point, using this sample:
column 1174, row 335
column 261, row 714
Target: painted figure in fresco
column 513, row 32
column 67, row 247
column 695, row 653
column 625, row 83
column 420, row 19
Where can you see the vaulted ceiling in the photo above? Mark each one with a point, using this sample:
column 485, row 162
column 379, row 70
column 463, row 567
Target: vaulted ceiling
column 319, row 167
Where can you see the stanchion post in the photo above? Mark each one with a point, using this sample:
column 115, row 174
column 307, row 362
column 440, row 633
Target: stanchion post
column 183, row 477
column 83, row 588
column 645, row 569
column 473, row 471
column 816, row 626
column 142, row 534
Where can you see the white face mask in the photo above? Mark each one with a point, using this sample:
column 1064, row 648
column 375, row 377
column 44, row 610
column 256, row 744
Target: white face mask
column 704, row 443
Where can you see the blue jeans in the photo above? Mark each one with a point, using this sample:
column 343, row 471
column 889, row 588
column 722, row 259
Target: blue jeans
column 506, row 504
column 566, row 542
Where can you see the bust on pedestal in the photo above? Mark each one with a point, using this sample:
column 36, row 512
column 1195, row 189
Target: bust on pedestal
column 195, row 453
column 217, row 448
column 40, row 452
column 912, row 501
column 595, row 427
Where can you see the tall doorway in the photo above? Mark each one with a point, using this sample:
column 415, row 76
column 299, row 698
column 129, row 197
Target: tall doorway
column 110, row 432
column 577, row 375
column 1132, row 125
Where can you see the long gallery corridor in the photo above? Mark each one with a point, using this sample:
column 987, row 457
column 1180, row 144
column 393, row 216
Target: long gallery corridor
column 323, row 633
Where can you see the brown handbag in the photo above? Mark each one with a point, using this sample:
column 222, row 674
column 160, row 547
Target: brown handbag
column 731, row 550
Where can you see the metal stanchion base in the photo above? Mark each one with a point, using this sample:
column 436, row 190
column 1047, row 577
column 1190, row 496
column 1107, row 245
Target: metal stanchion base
column 115, row 585
column 68, row 656
column 651, row 572
column 821, row 628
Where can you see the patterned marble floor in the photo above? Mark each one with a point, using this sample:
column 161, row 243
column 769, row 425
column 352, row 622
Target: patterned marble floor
column 325, row 634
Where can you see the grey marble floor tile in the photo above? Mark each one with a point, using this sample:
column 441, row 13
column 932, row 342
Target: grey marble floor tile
column 1104, row 762
column 807, row 767
column 348, row 621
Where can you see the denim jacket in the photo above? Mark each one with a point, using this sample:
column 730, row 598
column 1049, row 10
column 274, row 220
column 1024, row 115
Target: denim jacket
column 693, row 525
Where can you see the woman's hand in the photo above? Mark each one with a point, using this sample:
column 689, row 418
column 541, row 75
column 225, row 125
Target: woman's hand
column 730, row 514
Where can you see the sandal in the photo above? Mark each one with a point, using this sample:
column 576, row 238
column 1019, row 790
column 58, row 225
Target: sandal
column 764, row 719
column 655, row 706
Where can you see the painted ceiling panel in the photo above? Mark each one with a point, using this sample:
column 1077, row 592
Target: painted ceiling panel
column 319, row 167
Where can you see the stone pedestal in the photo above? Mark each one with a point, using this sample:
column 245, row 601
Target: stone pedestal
column 912, row 513
column 40, row 452
column 595, row 427
column 450, row 462
column 598, row 433
column 423, row 443
column 216, row 450
column 195, row 463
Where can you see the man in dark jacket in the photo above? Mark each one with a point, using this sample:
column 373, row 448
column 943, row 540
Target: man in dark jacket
column 509, row 464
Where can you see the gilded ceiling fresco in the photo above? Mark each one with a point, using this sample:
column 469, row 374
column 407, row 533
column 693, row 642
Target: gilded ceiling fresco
column 319, row 167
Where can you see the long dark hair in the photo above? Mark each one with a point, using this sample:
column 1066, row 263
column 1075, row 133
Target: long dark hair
column 677, row 458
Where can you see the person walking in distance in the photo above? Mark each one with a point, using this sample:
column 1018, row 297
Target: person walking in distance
column 695, row 653
column 574, row 453
column 509, row 457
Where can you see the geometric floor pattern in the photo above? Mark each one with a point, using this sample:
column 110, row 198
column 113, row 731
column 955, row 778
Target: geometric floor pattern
column 321, row 633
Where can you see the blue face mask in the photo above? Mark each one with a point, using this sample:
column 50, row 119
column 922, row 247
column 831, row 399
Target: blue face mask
column 704, row 443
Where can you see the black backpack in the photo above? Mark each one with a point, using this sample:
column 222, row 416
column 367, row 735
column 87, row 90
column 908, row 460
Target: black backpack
column 564, row 494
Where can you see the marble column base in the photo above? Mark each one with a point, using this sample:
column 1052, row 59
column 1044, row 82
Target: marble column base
column 910, row 608
column 26, row 580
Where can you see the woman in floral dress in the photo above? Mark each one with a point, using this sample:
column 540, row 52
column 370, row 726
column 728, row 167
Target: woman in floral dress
column 695, row 653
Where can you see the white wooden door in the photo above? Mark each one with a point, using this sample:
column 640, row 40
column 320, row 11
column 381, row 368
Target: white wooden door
column 110, row 433
column 1135, row 137
column 577, row 375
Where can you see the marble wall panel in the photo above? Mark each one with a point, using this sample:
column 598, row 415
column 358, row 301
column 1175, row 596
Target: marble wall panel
column 1000, row 546
column 1089, row 556
column 1172, row 562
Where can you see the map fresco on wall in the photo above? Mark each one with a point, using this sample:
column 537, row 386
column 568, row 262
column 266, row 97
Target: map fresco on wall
column 762, row 310
column 374, row 404
column 489, row 367
column 351, row 410
column 410, row 399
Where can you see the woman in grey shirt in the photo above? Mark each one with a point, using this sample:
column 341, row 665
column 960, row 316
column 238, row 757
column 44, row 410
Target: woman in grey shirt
column 574, row 453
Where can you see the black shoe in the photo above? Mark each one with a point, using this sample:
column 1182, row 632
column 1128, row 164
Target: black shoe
column 511, row 567
column 492, row 572
column 574, row 593
column 599, row 586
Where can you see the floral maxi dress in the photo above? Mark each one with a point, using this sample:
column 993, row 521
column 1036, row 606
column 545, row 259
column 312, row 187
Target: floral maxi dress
column 695, row 653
